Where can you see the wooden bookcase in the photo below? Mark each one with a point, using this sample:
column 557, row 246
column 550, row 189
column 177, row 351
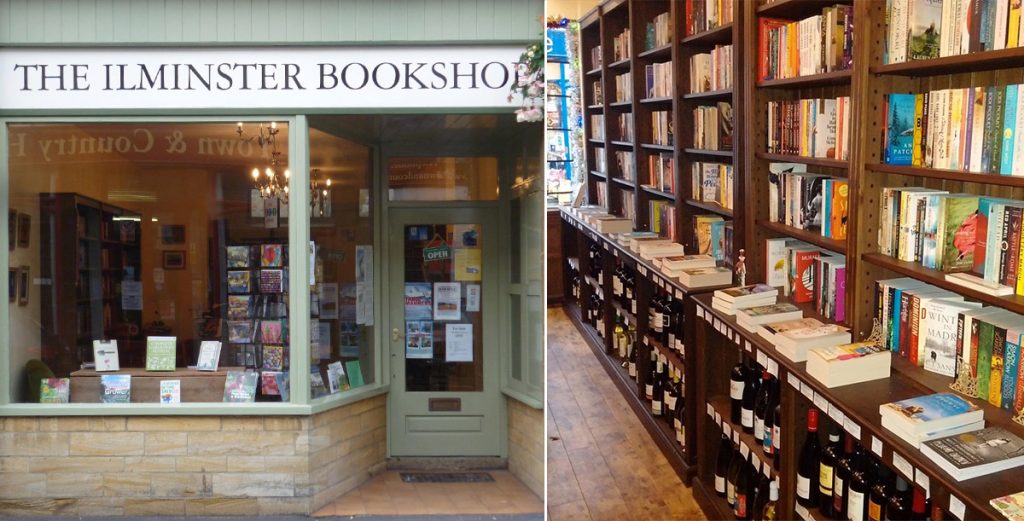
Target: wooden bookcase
column 714, row 341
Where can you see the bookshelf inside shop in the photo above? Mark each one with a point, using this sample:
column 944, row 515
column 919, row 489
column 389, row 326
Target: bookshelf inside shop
column 864, row 157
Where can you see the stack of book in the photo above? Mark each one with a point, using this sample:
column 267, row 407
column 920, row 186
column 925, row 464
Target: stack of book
column 705, row 277
column 711, row 71
column 702, row 15
column 751, row 318
column 674, row 265
column 925, row 29
column 613, row 224
column 817, row 127
column 923, row 418
column 661, row 170
column 847, row 364
column 661, row 127
column 626, row 127
column 807, row 201
column 620, row 46
column 819, row 44
column 624, row 159
column 712, row 127
column 808, row 274
column 624, row 87
column 712, row 183
column 658, row 80
column 793, row 338
column 652, row 249
column 742, row 297
column 659, row 31
column 976, row 129
column 977, row 453
column 663, row 218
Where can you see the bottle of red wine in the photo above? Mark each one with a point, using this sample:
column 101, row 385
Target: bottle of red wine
column 680, row 421
column 860, row 484
column 761, row 404
column 737, row 381
column 841, row 479
column 632, row 359
column 722, row 464
column 878, row 500
column 898, row 508
column 826, row 472
column 667, row 321
column 918, row 506
column 744, row 489
column 738, row 461
column 652, row 375
column 749, row 396
column 658, row 391
column 777, row 431
column 810, row 456
column 761, row 491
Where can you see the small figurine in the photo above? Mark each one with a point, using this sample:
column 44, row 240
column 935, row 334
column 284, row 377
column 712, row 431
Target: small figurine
column 741, row 267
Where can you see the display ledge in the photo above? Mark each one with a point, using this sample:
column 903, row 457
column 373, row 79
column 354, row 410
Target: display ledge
column 952, row 175
column 710, row 207
column 654, row 146
column 718, row 35
column 661, row 433
column 1013, row 303
column 596, row 141
column 804, row 235
column 795, row 9
column 657, row 52
column 664, row 99
column 705, row 152
column 659, row 193
column 645, row 267
column 623, row 182
column 593, row 284
column 855, row 407
column 811, row 161
column 671, row 355
column 973, row 62
column 711, row 94
column 813, row 80
column 721, row 405
column 622, row 64
column 594, row 72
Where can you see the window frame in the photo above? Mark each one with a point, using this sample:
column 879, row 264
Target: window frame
column 298, row 237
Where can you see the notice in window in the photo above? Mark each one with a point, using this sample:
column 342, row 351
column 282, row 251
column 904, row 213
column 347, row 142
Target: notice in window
column 458, row 342
column 447, row 301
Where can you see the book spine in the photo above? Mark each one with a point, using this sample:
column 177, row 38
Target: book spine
column 1004, row 243
column 997, row 131
column 1009, row 127
column 1018, row 400
column 1013, row 248
column 959, row 343
column 918, row 152
column 1011, row 359
column 984, row 359
column 840, row 301
column 915, row 329
column 995, row 381
column 995, row 228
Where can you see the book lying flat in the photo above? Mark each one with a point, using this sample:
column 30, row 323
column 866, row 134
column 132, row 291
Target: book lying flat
column 932, row 412
column 976, row 453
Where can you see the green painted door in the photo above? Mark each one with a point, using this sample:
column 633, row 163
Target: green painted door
column 445, row 395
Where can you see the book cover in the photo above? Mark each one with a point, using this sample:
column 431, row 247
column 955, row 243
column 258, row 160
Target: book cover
column 272, row 256
column 1011, row 366
column 925, row 21
column 209, row 355
column 940, row 324
column 239, row 307
column 839, row 209
column 958, row 221
column 995, row 381
column 240, row 331
column 239, row 282
column 775, row 260
column 921, row 410
column 1009, row 126
column 983, row 360
column 105, row 355
column 283, row 385
column 972, row 449
column 316, row 382
column 355, row 373
column 811, row 208
column 1011, row 506
column 273, row 357
column 238, row 256
column 170, row 391
column 115, row 388
column 337, row 381
column 803, row 287
column 269, row 384
column 160, row 353
column 240, row 386
column 900, row 132
column 270, row 332
column 271, row 281
column 739, row 292
column 54, row 390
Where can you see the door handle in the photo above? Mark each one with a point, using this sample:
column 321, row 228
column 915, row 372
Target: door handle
column 395, row 334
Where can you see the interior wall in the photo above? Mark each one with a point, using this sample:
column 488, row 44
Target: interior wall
column 571, row 9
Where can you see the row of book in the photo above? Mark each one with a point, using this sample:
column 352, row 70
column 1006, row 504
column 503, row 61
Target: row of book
column 601, row 193
column 659, row 80
column 705, row 15
column 624, row 87
column 663, row 218
column 626, row 127
column 713, row 183
column 711, row 71
column 975, row 129
column 815, row 45
column 661, row 128
column 816, row 127
column 624, row 158
column 714, row 235
column 808, row 201
column 621, row 46
column 809, row 274
column 239, row 387
column 926, row 29
column 659, row 31
column 596, row 57
column 713, row 127
column 597, row 126
column 661, row 170
column 628, row 206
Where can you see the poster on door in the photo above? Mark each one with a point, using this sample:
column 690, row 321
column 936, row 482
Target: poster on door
column 467, row 264
column 447, row 300
column 458, row 342
column 419, row 339
column 419, row 302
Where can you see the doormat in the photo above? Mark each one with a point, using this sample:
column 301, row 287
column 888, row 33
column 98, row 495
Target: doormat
column 446, row 477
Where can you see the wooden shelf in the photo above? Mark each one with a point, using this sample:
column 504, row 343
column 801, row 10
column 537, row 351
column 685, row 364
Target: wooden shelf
column 812, row 161
column 814, row 80
column 952, row 175
column 709, row 95
column 630, row 318
column 1013, row 303
column 974, row 62
column 703, row 152
column 710, row 207
column 656, row 100
column 602, row 175
column 795, row 9
column 627, row 103
column 622, row 144
column 624, row 182
column 663, row 148
column 671, row 355
column 595, row 107
column 622, row 64
column 594, row 72
column 804, row 235
column 596, row 141
column 716, row 36
column 658, row 193
column 722, row 405
column 665, row 51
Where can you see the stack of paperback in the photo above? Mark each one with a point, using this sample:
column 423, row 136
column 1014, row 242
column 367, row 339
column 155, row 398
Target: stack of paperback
column 674, row 265
column 848, row 364
column 712, row 127
column 624, row 159
column 659, row 80
column 651, row 250
column 704, row 15
column 924, row 29
column 924, row 418
column 1011, row 506
column 815, row 45
column 705, row 277
column 712, row 183
column 808, row 274
column 625, row 239
column 624, row 87
column 661, row 127
column 613, row 224
column 751, row 318
column 711, row 71
column 659, row 31
column 742, row 297
column 625, row 127
column 662, row 218
column 976, row 129
column 817, row 127
column 661, row 170
column 811, row 202
column 793, row 338
column 977, row 453
column 620, row 46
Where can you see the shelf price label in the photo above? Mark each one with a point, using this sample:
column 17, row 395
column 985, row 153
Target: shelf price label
column 821, row 403
column 762, row 357
column 773, row 367
column 643, row 271
column 956, row 507
column 744, row 450
column 727, row 429
column 802, row 512
column 876, row 445
column 700, row 312
column 615, row 252
column 718, row 418
column 903, row 466
column 747, row 347
column 922, row 479
column 767, row 470
column 606, row 246
column 852, row 427
column 807, row 391
column 679, row 293
column 711, row 410
column 793, row 380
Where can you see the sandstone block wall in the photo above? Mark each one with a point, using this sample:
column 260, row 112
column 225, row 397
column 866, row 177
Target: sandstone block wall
column 526, row 444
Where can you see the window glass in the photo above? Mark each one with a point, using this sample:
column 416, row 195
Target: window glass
column 341, row 229
column 146, row 263
column 443, row 178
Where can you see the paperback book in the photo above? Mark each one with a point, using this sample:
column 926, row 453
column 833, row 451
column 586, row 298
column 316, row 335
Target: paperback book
column 240, row 386
column 978, row 453
column 54, row 390
column 160, row 353
column 116, row 388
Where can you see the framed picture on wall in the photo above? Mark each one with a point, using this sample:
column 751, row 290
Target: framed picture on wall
column 12, row 229
column 23, row 285
column 12, row 284
column 24, row 228
column 172, row 234
column 174, row 260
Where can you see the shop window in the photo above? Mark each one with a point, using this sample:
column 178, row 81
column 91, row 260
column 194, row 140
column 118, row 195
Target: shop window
column 342, row 234
column 443, row 178
column 146, row 264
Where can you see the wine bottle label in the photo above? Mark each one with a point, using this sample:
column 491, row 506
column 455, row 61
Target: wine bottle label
column 874, row 511
column 825, row 479
column 837, row 492
column 741, row 505
column 657, row 321
column 670, row 403
column 720, row 484
column 649, row 391
column 777, row 438
column 632, row 303
column 747, row 417
column 600, row 278
column 735, row 390
column 758, row 428
column 656, row 407
column 632, row 370
column 855, row 506
column 766, row 443
column 803, row 487
column 730, row 493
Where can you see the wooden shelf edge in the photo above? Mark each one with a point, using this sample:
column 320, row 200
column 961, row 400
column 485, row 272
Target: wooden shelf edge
column 717, row 35
column 711, row 94
column 804, row 235
column 659, row 193
column 813, row 80
column 657, row 51
column 653, row 146
column 624, row 182
column 812, row 161
column 972, row 62
column 952, row 175
column 704, row 152
column 711, row 207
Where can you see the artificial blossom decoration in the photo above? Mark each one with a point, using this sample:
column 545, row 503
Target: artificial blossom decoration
column 529, row 84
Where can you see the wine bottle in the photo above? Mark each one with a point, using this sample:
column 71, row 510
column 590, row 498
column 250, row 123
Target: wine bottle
column 761, row 406
column 841, row 479
column 807, row 472
column 767, row 444
column 632, row 357
column 658, row 392
column 680, row 421
column 878, row 499
column 747, row 402
column 769, row 511
column 857, row 492
column 777, row 433
column 744, row 482
column 722, row 463
column 898, row 508
column 652, row 375
column 667, row 338
column 734, row 470
column 919, row 505
column 670, row 393
column 826, row 472
column 737, row 381
column 760, row 491
column 619, row 336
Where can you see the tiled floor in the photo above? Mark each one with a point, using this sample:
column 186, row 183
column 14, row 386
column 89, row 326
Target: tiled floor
column 602, row 464
column 386, row 494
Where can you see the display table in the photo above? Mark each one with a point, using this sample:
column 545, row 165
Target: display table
column 196, row 386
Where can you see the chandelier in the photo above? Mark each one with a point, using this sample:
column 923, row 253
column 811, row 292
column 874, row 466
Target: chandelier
column 270, row 182
column 319, row 194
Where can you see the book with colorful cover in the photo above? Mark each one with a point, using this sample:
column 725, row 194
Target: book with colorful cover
column 976, row 453
column 209, row 355
column 940, row 325
column 283, row 383
column 925, row 22
column 839, row 210
column 932, row 412
column 116, row 388
column 899, row 135
column 240, row 331
column 958, row 219
column 239, row 282
column 161, row 352
column 170, row 391
column 316, row 382
column 270, row 331
column 272, row 256
column 754, row 291
column 1011, row 506
column 238, row 256
column 54, row 390
column 240, row 386
column 273, row 357
column 336, row 379
column 1011, row 368
column 269, row 383
column 272, row 281
column 239, row 307
column 803, row 275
